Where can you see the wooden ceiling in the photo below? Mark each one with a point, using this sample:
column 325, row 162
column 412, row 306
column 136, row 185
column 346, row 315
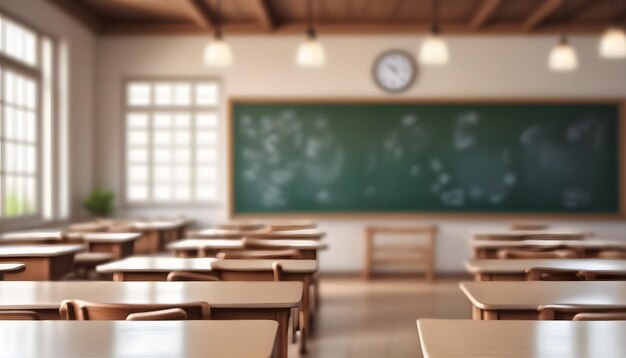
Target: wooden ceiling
column 344, row 16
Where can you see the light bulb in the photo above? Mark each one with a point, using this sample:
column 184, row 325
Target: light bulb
column 434, row 51
column 311, row 53
column 218, row 54
column 613, row 43
column 563, row 57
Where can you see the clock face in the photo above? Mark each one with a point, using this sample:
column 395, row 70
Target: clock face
column 394, row 71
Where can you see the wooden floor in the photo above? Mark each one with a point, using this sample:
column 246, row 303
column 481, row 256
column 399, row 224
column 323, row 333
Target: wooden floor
column 377, row 318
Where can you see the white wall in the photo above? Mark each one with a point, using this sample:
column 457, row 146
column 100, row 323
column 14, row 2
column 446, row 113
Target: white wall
column 77, row 49
column 494, row 67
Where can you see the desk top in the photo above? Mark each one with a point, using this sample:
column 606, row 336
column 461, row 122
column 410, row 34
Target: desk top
column 32, row 236
column 518, row 266
column 287, row 244
column 290, row 225
column 157, row 264
column 289, row 266
column 216, row 234
column 530, row 234
column 589, row 243
column 138, row 339
column 11, row 267
column 158, row 225
column 241, row 226
column 111, row 237
column 529, row 295
column 91, row 226
column 201, row 264
column 288, row 234
column 515, row 339
column 196, row 244
column 39, row 250
column 19, row 295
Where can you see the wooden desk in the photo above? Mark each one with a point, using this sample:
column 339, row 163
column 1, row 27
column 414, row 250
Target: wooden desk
column 508, row 339
column 43, row 262
column 82, row 339
column 192, row 247
column 228, row 300
column 513, row 270
column 304, row 234
column 85, row 227
column 8, row 268
column 117, row 243
column 241, row 226
column 530, row 235
column 215, row 234
column 290, row 225
column 485, row 249
column 308, row 248
column 156, row 234
column 157, row 268
column 520, row 300
column 32, row 237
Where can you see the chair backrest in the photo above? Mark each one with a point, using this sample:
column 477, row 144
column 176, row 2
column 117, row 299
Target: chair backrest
column 260, row 254
column 190, row 276
column 171, row 314
column 603, row 275
column 276, row 274
column 552, row 274
column 568, row 312
column 537, row 254
column 612, row 254
column 88, row 311
column 19, row 316
column 529, row 226
column 612, row 316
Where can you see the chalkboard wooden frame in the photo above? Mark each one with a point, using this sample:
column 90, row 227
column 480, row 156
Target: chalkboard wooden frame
column 501, row 216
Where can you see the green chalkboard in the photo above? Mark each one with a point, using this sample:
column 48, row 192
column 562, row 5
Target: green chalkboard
column 312, row 157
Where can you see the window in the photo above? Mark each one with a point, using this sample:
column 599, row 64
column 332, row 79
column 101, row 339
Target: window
column 171, row 141
column 24, row 60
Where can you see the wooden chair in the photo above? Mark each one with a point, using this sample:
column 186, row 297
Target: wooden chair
column 568, row 312
column 79, row 310
column 529, row 226
column 190, row 276
column 19, row 316
column 86, row 262
column 260, row 254
column 552, row 274
column 603, row 275
column 612, row 254
column 600, row 317
column 171, row 314
column 504, row 254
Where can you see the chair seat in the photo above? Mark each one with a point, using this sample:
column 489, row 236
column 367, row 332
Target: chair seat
column 92, row 258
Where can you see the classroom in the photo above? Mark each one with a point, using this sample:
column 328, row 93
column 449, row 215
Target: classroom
column 313, row 178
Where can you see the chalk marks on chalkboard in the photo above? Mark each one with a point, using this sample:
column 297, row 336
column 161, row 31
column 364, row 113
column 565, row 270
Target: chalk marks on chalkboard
column 588, row 132
column 576, row 198
column 283, row 148
column 463, row 135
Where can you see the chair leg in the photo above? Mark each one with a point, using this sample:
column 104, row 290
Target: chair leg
column 295, row 323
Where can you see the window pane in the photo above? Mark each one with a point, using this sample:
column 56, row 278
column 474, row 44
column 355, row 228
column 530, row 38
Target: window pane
column 206, row 192
column 205, row 173
column 206, row 120
column 137, row 120
column 139, row 94
column 162, row 192
column 137, row 155
column 206, row 138
column 138, row 173
column 206, row 94
column 162, row 120
column 162, row 156
column 182, row 121
column 138, row 138
column 137, row 192
column 164, row 94
column 182, row 94
column 162, row 138
column 182, row 174
column 206, row 155
column 182, row 193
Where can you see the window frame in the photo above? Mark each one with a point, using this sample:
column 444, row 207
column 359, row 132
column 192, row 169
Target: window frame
column 35, row 73
column 126, row 108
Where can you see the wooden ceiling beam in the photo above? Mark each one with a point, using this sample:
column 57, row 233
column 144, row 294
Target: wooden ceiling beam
column 80, row 13
column 264, row 14
column 359, row 28
column 542, row 12
column 200, row 14
column 484, row 12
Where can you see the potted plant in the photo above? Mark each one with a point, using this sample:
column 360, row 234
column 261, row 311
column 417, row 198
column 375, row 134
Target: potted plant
column 100, row 202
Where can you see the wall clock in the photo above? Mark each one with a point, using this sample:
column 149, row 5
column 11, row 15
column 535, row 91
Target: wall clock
column 394, row 71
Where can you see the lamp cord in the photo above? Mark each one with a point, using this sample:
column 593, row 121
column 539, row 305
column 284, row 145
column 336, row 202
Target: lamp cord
column 218, row 21
column 310, row 30
column 434, row 15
